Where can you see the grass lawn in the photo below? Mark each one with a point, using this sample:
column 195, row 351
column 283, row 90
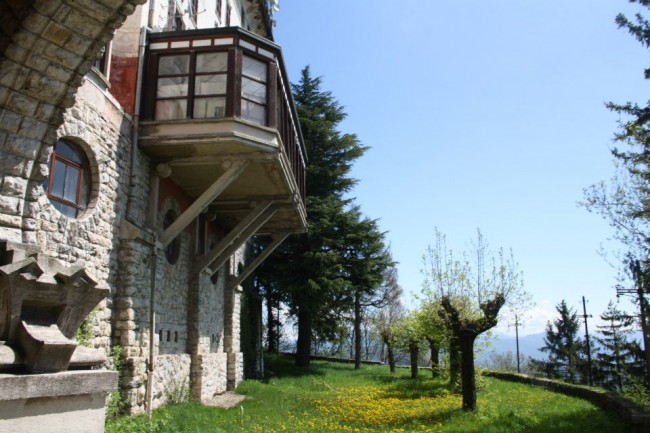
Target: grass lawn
column 335, row 398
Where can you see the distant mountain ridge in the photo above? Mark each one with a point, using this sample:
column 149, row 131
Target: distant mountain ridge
column 529, row 346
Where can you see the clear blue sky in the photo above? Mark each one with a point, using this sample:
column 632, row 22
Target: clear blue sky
column 485, row 114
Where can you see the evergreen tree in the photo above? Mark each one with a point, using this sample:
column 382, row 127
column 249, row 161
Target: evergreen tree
column 310, row 269
column 562, row 345
column 618, row 356
column 365, row 261
column 625, row 201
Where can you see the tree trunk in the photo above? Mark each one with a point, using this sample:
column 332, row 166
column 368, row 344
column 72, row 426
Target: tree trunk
column 465, row 332
column 454, row 362
column 468, row 378
column 414, row 351
column 303, row 345
column 391, row 357
column 357, row 331
column 271, row 330
column 252, row 332
column 434, row 347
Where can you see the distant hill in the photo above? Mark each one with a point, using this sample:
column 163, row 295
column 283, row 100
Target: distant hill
column 500, row 344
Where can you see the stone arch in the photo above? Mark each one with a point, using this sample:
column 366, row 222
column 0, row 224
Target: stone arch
column 46, row 48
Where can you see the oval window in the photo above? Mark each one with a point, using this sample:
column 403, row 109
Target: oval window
column 68, row 185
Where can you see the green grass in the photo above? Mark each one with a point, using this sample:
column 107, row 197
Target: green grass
column 334, row 398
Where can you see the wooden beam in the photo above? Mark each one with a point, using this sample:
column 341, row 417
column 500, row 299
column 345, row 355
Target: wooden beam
column 278, row 238
column 208, row 196
column 235, row 233
column 250, row 231
column 215, row 159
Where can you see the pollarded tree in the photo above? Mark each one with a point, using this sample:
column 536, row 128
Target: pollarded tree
column 434, row 332
column 471, row 294
column 409, row 336
column 444, row 275
column 386, row 318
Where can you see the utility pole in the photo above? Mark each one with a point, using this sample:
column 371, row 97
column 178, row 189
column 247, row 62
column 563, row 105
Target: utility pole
column 517, row 340
column 640, row 289
column 584, row 316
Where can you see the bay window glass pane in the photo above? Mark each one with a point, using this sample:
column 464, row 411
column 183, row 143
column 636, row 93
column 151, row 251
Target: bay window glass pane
column 253, row 90
column 174, row 65
column 209, row 108
column 254, row 69
column 58, row 179
column 253, row 112
column 71, row 184
column 212, row 62
column 171, row 109
column 210, row 84
column 171, row 87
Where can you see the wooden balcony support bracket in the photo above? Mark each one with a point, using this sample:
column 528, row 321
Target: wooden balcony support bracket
column 227, row 246
column 233, row 170
column 278, row 238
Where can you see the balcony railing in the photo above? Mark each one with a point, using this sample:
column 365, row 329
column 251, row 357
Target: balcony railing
column 225, row 73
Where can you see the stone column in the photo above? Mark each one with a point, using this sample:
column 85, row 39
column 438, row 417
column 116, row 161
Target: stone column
column 232, row 309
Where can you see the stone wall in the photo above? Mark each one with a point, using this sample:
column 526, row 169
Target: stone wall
column 172, row 290
column 45, row 94
column 100, row 128
column 46, row 53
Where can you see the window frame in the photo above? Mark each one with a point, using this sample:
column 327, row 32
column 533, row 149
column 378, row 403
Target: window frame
column 265, row 84
column 234, row 97
column 84, row 175
column 191, row 97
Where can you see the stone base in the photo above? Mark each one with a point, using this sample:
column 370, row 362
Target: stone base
column 52, row 403
column 235, row 371
column 208, row 376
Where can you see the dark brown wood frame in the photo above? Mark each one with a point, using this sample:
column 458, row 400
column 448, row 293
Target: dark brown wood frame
column 83, row 167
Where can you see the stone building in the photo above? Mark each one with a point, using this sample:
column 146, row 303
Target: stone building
column 148, row 143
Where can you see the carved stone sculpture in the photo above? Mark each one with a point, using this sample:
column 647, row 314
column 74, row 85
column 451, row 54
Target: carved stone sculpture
column 43, row 302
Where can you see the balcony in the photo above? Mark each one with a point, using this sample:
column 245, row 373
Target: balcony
column 218, row 118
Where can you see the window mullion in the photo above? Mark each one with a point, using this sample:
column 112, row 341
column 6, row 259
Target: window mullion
column 190, row 86
column 271, row 95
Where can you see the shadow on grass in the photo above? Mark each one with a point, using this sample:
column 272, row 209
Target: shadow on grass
column 279, row 366
column 407, row 388
column 508, row 421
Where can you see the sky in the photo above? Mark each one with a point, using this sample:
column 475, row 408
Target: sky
column 480, row 114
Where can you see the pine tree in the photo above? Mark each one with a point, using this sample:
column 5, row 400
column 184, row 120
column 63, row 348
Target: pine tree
column 618, row 355
column 625, row 201
column 562, row 345
column 365, row 261
column 310, row 269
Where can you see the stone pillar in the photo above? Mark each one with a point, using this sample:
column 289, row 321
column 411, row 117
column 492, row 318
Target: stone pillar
column 232, row 313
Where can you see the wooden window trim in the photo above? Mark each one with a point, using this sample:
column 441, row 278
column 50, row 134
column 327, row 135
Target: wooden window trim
column 83, row 168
